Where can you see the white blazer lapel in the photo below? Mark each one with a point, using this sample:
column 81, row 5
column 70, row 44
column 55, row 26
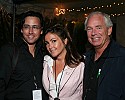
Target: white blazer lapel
column 66, row 76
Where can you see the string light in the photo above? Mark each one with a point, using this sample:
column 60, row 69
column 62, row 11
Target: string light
column 60, row 11
column 99, row 7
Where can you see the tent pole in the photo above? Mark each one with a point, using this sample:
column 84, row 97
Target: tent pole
column 14, row 6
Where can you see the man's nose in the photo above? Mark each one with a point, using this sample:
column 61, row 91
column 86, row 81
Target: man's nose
column 30, row 30
column 93, row 31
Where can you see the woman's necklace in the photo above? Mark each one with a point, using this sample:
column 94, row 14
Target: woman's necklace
column 57, row 88
column 56, row 99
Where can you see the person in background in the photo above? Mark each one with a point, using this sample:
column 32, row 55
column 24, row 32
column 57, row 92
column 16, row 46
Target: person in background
column 79, row 37
column 104, row 74
column 63, row 66
column 70, row 27
column 24, row 81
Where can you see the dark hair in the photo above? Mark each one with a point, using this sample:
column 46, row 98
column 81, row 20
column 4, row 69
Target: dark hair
column 31, row 13
column 72, row 57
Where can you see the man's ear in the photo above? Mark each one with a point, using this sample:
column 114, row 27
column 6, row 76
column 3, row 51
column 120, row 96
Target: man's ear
column 41, row 32
column 21, row 31
column 109, row 30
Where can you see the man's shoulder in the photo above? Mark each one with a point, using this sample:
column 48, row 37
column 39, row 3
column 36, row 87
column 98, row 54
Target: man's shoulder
column 122, row 50
column 118, row 49
column 7, row 46
column 89, row 52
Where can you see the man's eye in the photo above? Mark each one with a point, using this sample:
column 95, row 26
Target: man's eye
column 36, row 27
column 98, row 27
column 88, row 29
column 25, row 27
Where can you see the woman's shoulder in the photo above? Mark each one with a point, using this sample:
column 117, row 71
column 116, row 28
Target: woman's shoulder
column 48, row 60
column 82, row 64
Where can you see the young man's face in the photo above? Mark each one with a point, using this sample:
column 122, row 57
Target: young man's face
column 31, row 29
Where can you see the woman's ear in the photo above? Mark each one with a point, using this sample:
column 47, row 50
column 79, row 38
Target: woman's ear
column 65, row 41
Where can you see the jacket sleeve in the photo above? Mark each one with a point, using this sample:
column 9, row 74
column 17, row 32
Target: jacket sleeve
column 6, row 53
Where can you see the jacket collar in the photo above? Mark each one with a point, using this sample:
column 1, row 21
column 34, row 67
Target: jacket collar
column 114, row 52
column 20, row 42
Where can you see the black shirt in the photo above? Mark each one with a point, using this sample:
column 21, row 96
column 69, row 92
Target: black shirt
column 21, row 81
column 93, row 71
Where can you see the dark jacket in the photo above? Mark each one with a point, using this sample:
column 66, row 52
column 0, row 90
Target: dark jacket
column 21, row 81
column 111, row 83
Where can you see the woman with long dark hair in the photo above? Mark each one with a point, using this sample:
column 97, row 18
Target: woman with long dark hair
column 63, row 66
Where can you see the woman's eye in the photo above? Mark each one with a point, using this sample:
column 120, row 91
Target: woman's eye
column 46, row 43
column 53, row 41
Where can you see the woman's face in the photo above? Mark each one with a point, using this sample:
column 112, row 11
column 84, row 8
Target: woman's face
column 54, row 45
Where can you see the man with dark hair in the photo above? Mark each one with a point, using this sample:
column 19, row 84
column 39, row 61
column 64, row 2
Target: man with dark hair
column 24, row 81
